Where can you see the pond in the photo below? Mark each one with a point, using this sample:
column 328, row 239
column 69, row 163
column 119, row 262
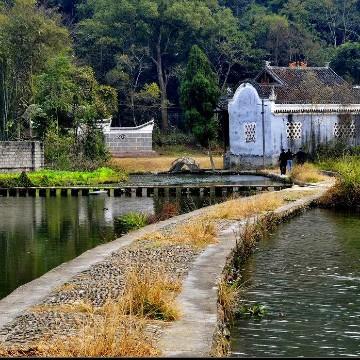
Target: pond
column 38, row 234
column 307, row 275
column 199, row 179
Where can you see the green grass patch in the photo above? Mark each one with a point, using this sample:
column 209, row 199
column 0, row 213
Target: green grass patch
column 62, row 178
column 130, row 221
column 346, row 192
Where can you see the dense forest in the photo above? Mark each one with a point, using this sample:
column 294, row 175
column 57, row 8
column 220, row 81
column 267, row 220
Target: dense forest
column 64, row 63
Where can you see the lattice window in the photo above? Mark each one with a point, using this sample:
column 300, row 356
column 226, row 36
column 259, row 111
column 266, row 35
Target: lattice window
column 293, row 130
column 344, row 130
column 250, row 132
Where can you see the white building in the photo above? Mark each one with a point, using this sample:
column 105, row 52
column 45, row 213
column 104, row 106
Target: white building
column 290, row 107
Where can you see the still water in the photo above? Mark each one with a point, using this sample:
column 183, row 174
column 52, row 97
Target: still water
column 195, row 179
column 38, row 234
column 307, row 275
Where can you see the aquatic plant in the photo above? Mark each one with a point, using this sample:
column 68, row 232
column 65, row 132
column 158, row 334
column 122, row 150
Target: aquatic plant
column 256, row 311
column 167, row 210
column 130, row 221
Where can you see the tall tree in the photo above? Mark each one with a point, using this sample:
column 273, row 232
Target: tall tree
column 167, row 28
column 199, row 98
column 346, row 62
column 28, row 37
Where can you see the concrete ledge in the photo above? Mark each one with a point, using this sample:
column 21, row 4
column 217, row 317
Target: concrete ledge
column 193, row 334
column 35, row 291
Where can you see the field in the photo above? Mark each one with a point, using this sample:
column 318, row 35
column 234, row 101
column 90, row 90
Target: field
column 160, row 163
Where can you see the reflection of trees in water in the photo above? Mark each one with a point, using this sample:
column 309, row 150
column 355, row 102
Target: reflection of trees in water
column 43, row 233
column 185, row 203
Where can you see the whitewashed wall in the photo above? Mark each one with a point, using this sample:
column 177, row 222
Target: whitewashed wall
column 245, row 108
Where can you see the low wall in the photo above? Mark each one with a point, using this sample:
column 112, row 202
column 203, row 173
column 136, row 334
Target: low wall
column 232, row 161
column 17, row 156
column 130, row 141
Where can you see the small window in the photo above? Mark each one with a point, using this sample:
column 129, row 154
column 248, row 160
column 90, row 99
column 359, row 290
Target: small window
column 250, row 132
column 344, row 130
column 293, row 130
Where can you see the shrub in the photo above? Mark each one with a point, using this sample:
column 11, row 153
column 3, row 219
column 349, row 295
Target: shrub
column 24, row 181
column 172, row 137
column 346, row 192
column 65, row 151
column 130, row 221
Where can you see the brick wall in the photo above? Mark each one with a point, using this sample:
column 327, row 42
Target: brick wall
column 16, row 156
column 130, row 141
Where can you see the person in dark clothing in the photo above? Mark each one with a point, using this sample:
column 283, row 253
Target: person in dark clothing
column 300, row 157
column 290, row 157
column 283, row 162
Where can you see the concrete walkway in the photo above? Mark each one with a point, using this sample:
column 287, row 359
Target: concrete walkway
column 35, row 291
column 192, row 335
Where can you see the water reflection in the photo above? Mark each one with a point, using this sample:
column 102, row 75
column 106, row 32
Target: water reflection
column 37, row 234
column 193, row 179
column 308, row 276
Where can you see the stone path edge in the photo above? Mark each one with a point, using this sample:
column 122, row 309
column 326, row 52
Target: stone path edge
column 36, row 290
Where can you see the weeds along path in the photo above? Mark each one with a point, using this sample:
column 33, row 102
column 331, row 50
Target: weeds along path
column 151, row 292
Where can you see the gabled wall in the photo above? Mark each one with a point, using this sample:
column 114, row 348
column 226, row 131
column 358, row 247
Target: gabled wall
column 314, row 128
column 245, row 108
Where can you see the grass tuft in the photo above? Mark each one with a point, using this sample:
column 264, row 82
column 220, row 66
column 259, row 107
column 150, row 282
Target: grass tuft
column 307, row 173
column 198, row 233
column 151, row 294
column 244, row 207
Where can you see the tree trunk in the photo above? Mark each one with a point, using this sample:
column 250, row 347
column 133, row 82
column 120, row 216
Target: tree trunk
column 211, row 158
column 162, row 85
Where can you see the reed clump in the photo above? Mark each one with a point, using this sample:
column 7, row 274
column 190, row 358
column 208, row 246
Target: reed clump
column 228, row 295
column 307, row 173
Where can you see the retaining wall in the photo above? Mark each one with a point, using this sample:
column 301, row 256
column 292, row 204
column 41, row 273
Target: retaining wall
column 17, row 156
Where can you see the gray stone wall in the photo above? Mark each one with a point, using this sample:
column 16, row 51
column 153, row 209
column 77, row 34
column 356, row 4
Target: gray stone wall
column 126, row 143
column 17, row 156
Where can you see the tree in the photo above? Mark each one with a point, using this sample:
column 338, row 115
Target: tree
column 346, row 62
column 28, row 38
column 199, row 97
column 70, row 96
column 166, row 28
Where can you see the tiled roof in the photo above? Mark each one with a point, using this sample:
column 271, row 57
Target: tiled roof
column 304, row 85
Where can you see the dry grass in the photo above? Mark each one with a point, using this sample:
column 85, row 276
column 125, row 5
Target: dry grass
column 151, row 294
column 66, row 287
column 244, row 207
column 160, row 163
column 307, row 173
column 107, row 332
column 227, row 299
column 75, row 307
column 116, row 329
column 199, row 234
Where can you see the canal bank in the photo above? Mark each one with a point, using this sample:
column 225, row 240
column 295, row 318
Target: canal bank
column 21, row 320
column 305, row 276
